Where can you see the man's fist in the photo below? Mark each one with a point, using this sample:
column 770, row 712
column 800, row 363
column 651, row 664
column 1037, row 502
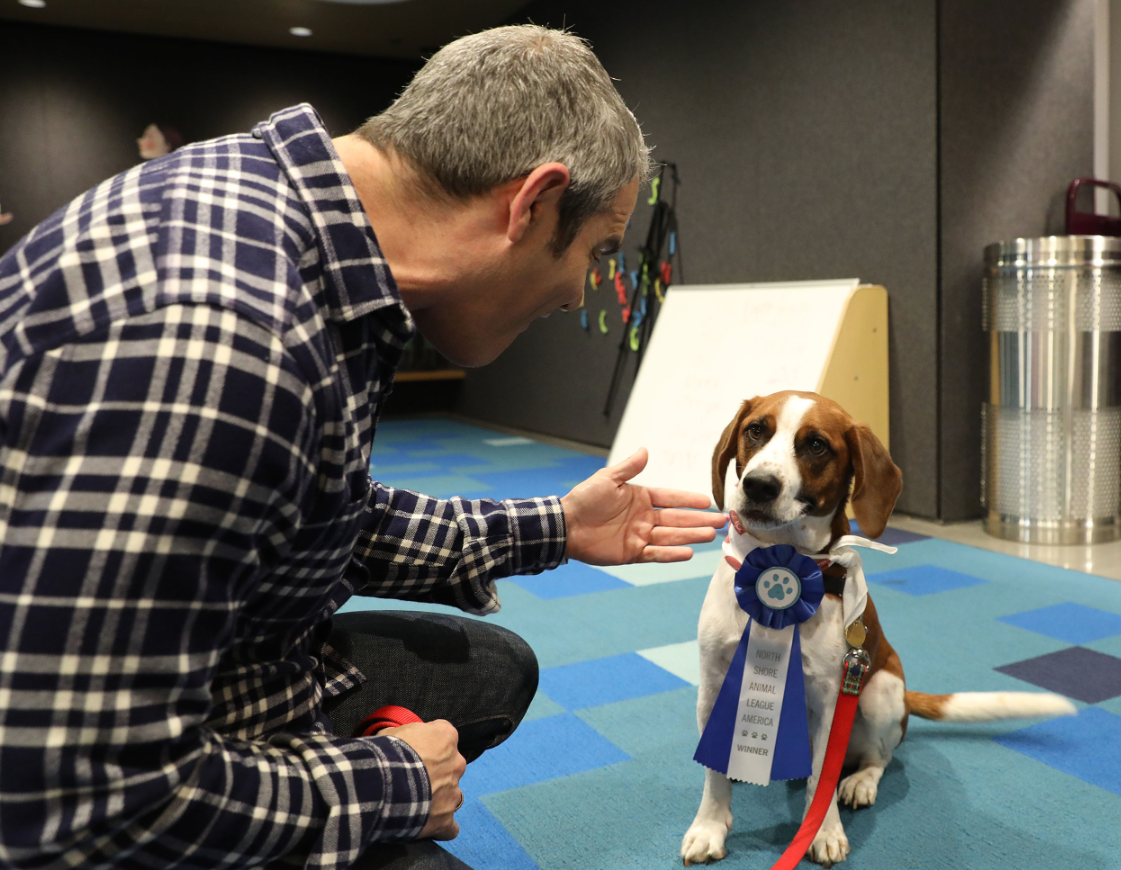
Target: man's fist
column 437, row 744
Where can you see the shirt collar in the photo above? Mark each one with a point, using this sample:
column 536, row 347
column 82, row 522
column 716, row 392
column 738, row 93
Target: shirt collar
column 356, row 277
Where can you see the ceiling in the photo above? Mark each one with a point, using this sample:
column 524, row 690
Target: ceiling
column 405, row 28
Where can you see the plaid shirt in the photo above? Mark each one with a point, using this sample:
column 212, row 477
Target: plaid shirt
column 193, row 356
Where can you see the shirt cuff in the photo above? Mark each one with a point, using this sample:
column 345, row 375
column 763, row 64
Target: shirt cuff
column 538, row 534
column 406, row 793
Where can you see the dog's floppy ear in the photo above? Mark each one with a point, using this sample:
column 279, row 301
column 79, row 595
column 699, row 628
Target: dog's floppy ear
column 877, row 481
column 725, row 449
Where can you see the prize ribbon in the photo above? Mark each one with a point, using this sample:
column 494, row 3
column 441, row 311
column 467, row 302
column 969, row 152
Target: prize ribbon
column 778, row 588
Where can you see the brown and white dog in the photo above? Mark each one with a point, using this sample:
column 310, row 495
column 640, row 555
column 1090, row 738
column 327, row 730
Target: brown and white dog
column 797, row 455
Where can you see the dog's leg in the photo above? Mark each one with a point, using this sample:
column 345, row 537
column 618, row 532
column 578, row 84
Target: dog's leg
column 876, row 732
column 704, row 841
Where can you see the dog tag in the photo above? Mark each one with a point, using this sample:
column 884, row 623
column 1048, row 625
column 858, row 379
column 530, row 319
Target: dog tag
column 856, row 633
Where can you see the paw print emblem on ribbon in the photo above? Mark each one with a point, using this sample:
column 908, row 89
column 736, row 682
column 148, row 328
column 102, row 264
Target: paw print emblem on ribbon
column 778, row 588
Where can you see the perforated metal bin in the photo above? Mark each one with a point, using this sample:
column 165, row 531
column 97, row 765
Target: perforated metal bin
column 1051, row 449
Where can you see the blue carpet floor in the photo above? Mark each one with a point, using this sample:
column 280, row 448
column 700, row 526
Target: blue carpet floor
column 600, row 775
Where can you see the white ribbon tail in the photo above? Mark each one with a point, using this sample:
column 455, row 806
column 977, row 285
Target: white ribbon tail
column 757, row 715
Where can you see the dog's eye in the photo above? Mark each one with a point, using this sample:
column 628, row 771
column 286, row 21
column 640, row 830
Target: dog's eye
column 755, row 430
column 817, row 446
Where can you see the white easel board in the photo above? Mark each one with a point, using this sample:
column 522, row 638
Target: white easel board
column 716, row 345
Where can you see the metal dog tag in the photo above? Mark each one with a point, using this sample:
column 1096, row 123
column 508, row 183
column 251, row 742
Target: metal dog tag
column 856, row 633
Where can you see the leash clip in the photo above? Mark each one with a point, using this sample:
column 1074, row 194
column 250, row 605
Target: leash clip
column 856, row 665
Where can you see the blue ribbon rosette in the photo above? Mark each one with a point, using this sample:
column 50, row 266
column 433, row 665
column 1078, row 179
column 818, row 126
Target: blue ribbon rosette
column 778, row 588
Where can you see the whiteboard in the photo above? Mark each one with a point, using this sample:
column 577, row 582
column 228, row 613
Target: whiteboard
column 712, row 347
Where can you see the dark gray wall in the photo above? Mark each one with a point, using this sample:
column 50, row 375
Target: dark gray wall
column 884, row 140
column 1017, row 127
column 889, row 141
column 73, row 103
column 806, row 140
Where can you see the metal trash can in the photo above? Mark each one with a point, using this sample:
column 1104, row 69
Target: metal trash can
column 1051, row 446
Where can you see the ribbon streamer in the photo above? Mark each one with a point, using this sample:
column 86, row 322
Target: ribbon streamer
column 790, row 754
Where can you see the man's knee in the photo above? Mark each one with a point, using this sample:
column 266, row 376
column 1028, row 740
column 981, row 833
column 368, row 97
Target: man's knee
column 522, row 667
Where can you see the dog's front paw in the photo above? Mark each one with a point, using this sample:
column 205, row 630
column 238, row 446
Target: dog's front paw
column 830, row 845
column 859, row 790
column 704, row 842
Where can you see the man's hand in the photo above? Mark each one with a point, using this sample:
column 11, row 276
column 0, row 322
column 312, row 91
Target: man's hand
column 612, row 522
column 437, row 744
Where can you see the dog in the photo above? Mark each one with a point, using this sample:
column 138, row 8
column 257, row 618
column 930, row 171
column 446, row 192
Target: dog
column 797, row 457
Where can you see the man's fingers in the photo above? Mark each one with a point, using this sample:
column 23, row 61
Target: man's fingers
column 665, row 536
column 684, row 519
column 631, row 466
column 679, row 498
column 666, row 554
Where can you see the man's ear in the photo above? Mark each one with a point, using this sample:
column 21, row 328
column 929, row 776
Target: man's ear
column 877, row 481
column 538, row 195
column 726, row 448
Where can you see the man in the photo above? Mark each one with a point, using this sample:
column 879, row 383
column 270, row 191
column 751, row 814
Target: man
column 193, row 356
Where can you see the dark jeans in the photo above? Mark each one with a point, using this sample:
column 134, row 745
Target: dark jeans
column 478, row 676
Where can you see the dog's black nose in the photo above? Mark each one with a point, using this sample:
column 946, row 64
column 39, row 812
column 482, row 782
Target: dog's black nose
column 761, row 489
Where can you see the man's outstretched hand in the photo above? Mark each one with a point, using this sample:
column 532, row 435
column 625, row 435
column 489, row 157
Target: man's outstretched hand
column 613, row 522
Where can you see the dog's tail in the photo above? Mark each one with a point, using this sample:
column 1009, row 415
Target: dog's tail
column 987, row 706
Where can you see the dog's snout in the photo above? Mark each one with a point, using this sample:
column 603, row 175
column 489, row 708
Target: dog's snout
column 761, row 489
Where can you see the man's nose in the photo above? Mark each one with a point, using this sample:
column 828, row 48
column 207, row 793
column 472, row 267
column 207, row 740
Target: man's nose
column 572, row 306
column 761, row 488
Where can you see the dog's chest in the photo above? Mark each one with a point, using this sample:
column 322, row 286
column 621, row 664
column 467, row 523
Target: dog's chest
column 823, row 651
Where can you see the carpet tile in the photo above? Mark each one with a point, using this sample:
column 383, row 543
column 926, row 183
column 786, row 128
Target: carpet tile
column 1074, row 623
column 703, row 564
column 1078, row 673
column 548, row 748
column 924, row 579
column 439, row 485
column 512, row 441
column 1087, row 746
column 600, row 776
column 891, row 537
column 574, row 578
column 604, row 681
column 482, row 836
column 680, row 659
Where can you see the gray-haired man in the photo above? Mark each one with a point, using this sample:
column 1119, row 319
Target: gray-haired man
column 193, row 356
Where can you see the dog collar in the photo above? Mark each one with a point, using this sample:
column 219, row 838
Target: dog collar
column 834, row 583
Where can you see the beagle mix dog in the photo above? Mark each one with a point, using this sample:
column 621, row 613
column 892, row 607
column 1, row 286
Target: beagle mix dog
column 797, row 456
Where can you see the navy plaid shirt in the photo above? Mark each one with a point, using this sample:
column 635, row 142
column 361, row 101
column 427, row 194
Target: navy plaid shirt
column 193, row 356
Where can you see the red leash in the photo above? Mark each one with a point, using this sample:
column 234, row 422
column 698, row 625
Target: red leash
column 385, row 717
column 856, row 668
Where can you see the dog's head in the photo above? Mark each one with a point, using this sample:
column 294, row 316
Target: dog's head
column 797, row 455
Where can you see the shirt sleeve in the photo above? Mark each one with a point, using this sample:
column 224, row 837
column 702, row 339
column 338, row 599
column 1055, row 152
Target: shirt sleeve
column 149, row 475
column 450, row 551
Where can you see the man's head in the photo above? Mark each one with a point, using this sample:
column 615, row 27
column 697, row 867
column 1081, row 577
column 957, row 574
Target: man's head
column 492, row 107
column 520, row 130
